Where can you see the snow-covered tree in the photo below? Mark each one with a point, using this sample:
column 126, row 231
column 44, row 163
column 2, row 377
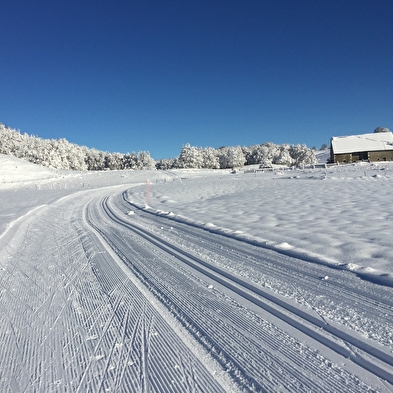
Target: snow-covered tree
column 283, row 156
column 190, row 157
column 259, row 154
column 130, row 160
column 381, row 129
column 144, row 161
column 302, row 155
column 114, row 161
column 210, row 159
column 167, row 163
column 231, row 157
column 61, row 154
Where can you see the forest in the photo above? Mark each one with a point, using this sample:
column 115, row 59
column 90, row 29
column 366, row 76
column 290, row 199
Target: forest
column 62, row 154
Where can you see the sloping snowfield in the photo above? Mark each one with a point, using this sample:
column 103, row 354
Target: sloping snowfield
column 196, row 281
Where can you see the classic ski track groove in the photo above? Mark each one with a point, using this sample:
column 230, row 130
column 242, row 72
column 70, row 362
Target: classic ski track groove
column 302, row 321
column 73, row 321
column 308, row 277
column 75, row 318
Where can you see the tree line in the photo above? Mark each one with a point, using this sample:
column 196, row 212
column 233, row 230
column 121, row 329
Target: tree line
column 61, row 154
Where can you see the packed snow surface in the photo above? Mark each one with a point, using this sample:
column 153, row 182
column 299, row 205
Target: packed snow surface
column 340, row 216
column 196, row 280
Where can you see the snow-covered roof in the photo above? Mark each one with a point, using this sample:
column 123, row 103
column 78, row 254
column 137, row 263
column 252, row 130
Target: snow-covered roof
column 365, row 142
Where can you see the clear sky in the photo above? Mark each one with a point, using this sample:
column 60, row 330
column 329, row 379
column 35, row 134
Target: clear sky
column 152, row 75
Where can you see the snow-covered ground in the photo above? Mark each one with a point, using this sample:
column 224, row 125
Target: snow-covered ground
column 340, row 216
column 83, row 310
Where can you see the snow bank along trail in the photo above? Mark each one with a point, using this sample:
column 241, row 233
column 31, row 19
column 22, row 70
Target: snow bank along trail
column 74, row 321
column 227, row 294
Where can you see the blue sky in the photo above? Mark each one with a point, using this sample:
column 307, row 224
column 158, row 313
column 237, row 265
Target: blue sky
column 153, row 75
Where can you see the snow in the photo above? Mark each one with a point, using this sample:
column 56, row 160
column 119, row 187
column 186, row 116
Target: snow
column 339, row 216
column 105, row 291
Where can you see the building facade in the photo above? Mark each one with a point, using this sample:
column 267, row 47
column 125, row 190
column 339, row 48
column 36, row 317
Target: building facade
column 377, row 146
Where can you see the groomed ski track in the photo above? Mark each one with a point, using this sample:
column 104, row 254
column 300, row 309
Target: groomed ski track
column 118, row 302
